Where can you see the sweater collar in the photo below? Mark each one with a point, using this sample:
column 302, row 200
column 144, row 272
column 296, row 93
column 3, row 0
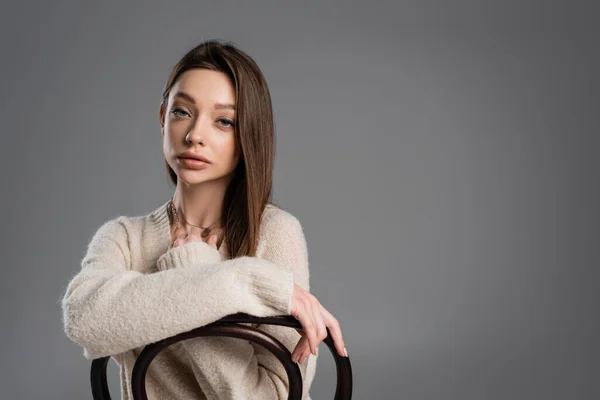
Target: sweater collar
column 160, row 218
column 157, row 232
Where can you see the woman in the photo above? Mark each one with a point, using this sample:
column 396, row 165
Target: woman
column 217, row 247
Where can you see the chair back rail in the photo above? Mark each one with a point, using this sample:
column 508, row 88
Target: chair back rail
column 228, row 326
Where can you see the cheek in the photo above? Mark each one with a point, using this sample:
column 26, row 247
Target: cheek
column 170, row 137
column 228, row 152
column 167, row 145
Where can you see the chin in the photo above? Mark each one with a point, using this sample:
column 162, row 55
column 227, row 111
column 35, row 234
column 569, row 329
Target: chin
column 191, row 176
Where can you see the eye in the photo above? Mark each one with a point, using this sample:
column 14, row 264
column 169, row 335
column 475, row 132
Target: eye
column 228, row 121
column 177, row 109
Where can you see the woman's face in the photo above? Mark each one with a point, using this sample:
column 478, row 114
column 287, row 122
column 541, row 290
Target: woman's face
column 200, row 117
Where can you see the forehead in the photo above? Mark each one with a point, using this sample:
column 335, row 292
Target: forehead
column 205, row 86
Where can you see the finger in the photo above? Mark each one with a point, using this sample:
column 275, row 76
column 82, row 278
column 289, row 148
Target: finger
column 212, row 240
column 305, row 355
column 299, row 349
column 302, row 310
column 310, row 327
column 319, row 322
column 179, row 241
column 180, row 231
column 315, row 334
column 335, row 331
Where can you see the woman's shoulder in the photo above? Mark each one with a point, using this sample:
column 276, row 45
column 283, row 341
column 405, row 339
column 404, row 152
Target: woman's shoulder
column 280, row 223
column 281, row 237
column 122, row 225
column 275, row 215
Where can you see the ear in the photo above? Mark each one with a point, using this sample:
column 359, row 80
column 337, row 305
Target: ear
column 161, row 115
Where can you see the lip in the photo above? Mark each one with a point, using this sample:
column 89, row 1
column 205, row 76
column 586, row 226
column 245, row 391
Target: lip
column 192, row 163
column 191, row 155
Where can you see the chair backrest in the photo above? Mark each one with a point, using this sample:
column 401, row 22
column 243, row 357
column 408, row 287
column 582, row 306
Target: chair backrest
column 228, row 326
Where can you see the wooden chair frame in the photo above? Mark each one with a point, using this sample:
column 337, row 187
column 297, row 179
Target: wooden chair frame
column 229, row 327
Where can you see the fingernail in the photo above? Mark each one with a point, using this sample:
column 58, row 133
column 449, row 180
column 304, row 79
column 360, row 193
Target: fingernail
column 345, row 352
column 317, row 350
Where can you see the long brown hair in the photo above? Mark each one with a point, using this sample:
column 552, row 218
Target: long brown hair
column 251, row 187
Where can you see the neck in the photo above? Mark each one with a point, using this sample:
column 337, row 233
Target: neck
column 201, row 204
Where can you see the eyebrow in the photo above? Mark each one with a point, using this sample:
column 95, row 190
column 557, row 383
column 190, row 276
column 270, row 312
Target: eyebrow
column 189, row 98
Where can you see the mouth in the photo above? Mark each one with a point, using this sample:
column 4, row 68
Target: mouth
column 193, row 163
column 193, row 158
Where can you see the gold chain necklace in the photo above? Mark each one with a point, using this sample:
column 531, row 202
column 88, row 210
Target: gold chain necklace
column 205, row 230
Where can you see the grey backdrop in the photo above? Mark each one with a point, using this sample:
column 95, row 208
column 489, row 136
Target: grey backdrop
column 442, row 157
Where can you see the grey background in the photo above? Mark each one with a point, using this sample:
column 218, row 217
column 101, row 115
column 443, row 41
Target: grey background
column 442, row 157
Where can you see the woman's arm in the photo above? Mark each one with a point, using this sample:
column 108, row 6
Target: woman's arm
column 232, row 368
column 108, row 308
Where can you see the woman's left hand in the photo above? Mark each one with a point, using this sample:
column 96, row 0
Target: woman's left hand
column 303, row 347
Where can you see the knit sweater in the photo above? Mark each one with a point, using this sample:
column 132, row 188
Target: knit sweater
column 133, row 289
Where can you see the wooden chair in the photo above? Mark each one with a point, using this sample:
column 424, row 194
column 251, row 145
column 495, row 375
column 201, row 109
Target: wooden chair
column 228, row 326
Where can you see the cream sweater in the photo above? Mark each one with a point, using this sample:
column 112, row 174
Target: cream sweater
column 133, row 290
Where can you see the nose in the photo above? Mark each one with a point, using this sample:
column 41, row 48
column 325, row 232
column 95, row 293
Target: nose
column 199, row 131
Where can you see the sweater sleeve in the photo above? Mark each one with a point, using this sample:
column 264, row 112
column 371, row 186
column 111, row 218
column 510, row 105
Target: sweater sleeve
column 109, row 308
column 231, row 368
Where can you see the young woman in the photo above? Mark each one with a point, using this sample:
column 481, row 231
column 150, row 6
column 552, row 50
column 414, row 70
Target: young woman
column 217, row 247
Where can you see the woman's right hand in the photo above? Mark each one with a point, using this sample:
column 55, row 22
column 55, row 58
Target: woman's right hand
column 314, row 319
